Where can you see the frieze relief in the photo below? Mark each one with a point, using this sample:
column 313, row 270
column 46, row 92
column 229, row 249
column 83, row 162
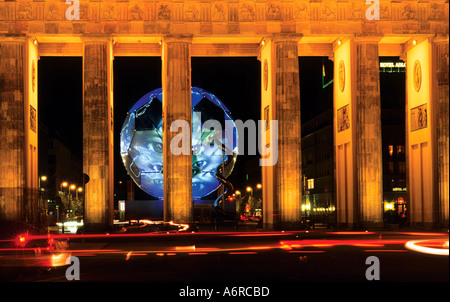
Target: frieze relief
column 54, row 11
column 329, row 11
column 231, row 11
column 219, row 12
column 163, row 12
column 247, row 12
column 273, row 12
column 136, row 13
column 24, row 11
column 301, row 11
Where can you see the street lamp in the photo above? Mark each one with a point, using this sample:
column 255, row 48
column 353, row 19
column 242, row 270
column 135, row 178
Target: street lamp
column 250, row 190
column 63, row 184
column 258, row 186
column 80, row 189
column 43, row 178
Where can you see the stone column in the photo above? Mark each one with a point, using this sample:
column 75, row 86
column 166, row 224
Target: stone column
column 177, row 168
column 12, row 132
column 442, row 128
column 357, row 124
column 98, row 133
column 282, row 182
column 368, row 133
column 18, row 130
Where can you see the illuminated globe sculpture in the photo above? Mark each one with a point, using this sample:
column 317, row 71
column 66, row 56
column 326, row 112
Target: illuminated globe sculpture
column 141, row 143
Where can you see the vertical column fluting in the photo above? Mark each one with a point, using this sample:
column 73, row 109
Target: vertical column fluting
column 442, row 127
column 177, row 168
column 287, row 106
column 368, row 133
column 280, row 101
column 12, row 130
column 97, row 134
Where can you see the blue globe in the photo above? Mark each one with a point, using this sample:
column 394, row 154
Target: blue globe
column 141, row 141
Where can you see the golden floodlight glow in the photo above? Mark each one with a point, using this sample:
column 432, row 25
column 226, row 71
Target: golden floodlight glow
column 80, row 189
column 72, row 187
column 339, row 42
column 238, row 192
column 249, row 189
column 414, row 42
column 43, row 178
column 65, row 184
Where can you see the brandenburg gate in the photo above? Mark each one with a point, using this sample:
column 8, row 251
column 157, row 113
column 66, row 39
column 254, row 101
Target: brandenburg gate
column 352, row 33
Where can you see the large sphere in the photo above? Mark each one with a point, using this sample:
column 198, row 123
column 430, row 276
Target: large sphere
column 141, row 141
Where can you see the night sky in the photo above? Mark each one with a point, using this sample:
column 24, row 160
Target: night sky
column 235, row 81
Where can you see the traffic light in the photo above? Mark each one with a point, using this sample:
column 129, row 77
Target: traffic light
column 230, row 198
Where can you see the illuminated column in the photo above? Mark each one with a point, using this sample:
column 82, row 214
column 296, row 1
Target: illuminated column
column 427, row 131
column 280, row 101
column 176, row 87
column 98, row 133
column 357, row 124
column 442, row 111
column 18, row 129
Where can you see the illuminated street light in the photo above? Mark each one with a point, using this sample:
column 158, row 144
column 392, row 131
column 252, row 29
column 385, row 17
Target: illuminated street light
column 250, row 190
column 238, row 192
column 72, row 187
column 43, row 178
column 80, row 189
column 63, row 184
column 258, row 186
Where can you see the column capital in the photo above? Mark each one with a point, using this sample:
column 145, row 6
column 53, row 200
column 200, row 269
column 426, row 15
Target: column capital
column 278, row 38
column 284, row 37
column 13, row 38
column 441, row 39
column 96, row 38
column 177, row 38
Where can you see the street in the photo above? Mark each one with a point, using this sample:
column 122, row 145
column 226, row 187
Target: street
column 264, row 257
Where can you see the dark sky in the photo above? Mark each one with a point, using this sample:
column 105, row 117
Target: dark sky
column 235, row 81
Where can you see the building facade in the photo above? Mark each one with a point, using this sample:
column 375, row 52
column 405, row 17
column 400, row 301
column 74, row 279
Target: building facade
column 351, row 33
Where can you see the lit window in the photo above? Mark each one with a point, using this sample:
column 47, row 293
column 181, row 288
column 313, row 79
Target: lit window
column 400, row 150
column 310, row 184
column 391, row 150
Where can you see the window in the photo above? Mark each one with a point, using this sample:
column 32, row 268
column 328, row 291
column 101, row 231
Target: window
column 310, row 183
column 401, row 167
column 391, row 150
column 400, row 150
